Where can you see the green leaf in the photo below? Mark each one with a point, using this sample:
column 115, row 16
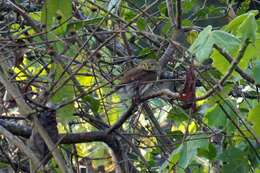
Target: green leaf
column 252, row 52
column 254, row 118
column 141, row 24
column 247, row 30
column 256, row 72
column 166, row 27
column 202, row 46
column 235, row 23
column 64, row 93
column 190, row 149
column 235, row 161
column 185, row 153
column 56, row 13
column 188, row 5
column 209, row 153
column 226, row 40
column 258, row 25
column 163, row 8
column 224, row 93
column 172, row 160
column 216, row 117
column 178, row 115
column 93, row 103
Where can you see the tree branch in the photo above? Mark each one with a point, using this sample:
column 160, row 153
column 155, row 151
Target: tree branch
column 19, row 143
column 179, row 14
column 238, row 69
column 123, row 118
column 232, row 66
column 170, row 11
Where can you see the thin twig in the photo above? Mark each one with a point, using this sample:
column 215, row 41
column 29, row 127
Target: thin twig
column 240, row 131
column 123, row 118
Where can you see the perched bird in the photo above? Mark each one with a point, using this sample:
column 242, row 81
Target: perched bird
column 146, row 70
column 139, row 78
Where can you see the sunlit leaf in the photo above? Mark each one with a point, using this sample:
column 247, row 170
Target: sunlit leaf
column 64, row 93
column 256, row 72
column 254, row 118
column 235, row 23
column 247, row 29
column 252, row 52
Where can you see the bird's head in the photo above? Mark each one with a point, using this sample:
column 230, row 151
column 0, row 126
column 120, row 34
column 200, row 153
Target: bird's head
column 149, row 65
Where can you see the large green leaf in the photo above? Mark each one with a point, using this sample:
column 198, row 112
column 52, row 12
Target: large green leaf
column 225, row 40
column 141, row 24
column 254, row 118
column 236, row 23
column 190, row 149
column 235, row 161
column 202, row 46
column 244, row 27
column 252, row 52
column 185, row 153
column 215, row 117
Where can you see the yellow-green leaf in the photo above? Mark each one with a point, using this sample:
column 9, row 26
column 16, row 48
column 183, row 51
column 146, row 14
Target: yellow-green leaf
column 254, row 118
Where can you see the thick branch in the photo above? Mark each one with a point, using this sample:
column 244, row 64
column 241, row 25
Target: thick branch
column 52, row 147
column 170, row 11
column 16, row 129
column 19, row 143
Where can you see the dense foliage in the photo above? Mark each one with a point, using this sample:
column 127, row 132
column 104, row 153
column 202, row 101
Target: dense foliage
column 130, row 86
